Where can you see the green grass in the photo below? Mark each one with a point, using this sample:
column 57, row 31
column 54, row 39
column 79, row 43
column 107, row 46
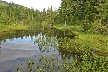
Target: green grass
column 86, row 38
column 6, row 28
column 93, row 40
column 74, row 28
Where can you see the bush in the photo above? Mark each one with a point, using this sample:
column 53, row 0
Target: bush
column 86, row 26
column 102, row 30
column 44, row 24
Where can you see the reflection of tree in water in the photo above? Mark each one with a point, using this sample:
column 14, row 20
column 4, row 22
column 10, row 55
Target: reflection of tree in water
column 34, row 32
column 17, row 34
column 45, row 38
column 45, row 42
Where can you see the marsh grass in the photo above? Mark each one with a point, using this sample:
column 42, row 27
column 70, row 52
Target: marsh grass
column 93, row 40
column 7, row 28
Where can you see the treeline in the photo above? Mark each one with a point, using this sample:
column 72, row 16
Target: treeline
column 87, row 13
column 15, row 14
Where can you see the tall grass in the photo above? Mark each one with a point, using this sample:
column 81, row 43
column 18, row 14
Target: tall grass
column 6, row 28
column 86, row 38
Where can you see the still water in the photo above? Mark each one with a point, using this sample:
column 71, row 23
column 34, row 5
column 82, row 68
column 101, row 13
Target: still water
column 19, row 48
column 20, row 45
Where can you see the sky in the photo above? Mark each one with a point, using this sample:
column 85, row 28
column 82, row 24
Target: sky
column 37, row 4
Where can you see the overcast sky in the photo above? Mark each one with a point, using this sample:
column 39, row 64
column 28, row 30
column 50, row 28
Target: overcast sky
column 37, row 4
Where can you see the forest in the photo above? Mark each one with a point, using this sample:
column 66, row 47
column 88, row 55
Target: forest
column 90, row 15
column 83, row 23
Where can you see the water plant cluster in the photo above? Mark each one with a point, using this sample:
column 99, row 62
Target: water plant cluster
column 72, row 57
column 87, row 59
column 87, row 63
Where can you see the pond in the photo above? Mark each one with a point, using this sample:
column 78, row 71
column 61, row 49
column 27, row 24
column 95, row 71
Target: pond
column 47, row 50
column 21, row 45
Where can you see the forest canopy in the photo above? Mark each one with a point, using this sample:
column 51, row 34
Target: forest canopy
column 88, row 14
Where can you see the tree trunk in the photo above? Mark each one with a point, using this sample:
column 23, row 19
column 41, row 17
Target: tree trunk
column 107, row 30
column 64, row 33
column 65, row 23
column 100, row 19
column 107, row 27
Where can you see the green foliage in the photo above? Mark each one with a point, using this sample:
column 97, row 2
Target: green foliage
column 90, row 15
column 8, row 28
column 72, row 12
column 14, row 14
column 83, row 12
column 86, row 26
column 91, row 38
column 82, row 59
column 102, row 30
column 44, row 24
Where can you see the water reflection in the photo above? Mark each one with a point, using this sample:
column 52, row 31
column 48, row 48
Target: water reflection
column 46, row 42
column 19, row 47
column 24, row 44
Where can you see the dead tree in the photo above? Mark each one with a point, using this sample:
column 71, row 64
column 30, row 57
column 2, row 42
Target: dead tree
column 107, row 27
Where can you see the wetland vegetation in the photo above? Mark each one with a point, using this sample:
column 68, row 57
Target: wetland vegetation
column 78, row 31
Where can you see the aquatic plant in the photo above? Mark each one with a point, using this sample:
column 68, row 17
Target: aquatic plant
column 52, row 63
column 74, row 58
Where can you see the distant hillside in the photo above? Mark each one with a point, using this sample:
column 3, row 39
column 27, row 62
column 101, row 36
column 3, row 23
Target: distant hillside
column 2, row 4
column 6, row 3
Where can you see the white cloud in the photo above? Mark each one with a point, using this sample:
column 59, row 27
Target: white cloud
column 37, row 4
